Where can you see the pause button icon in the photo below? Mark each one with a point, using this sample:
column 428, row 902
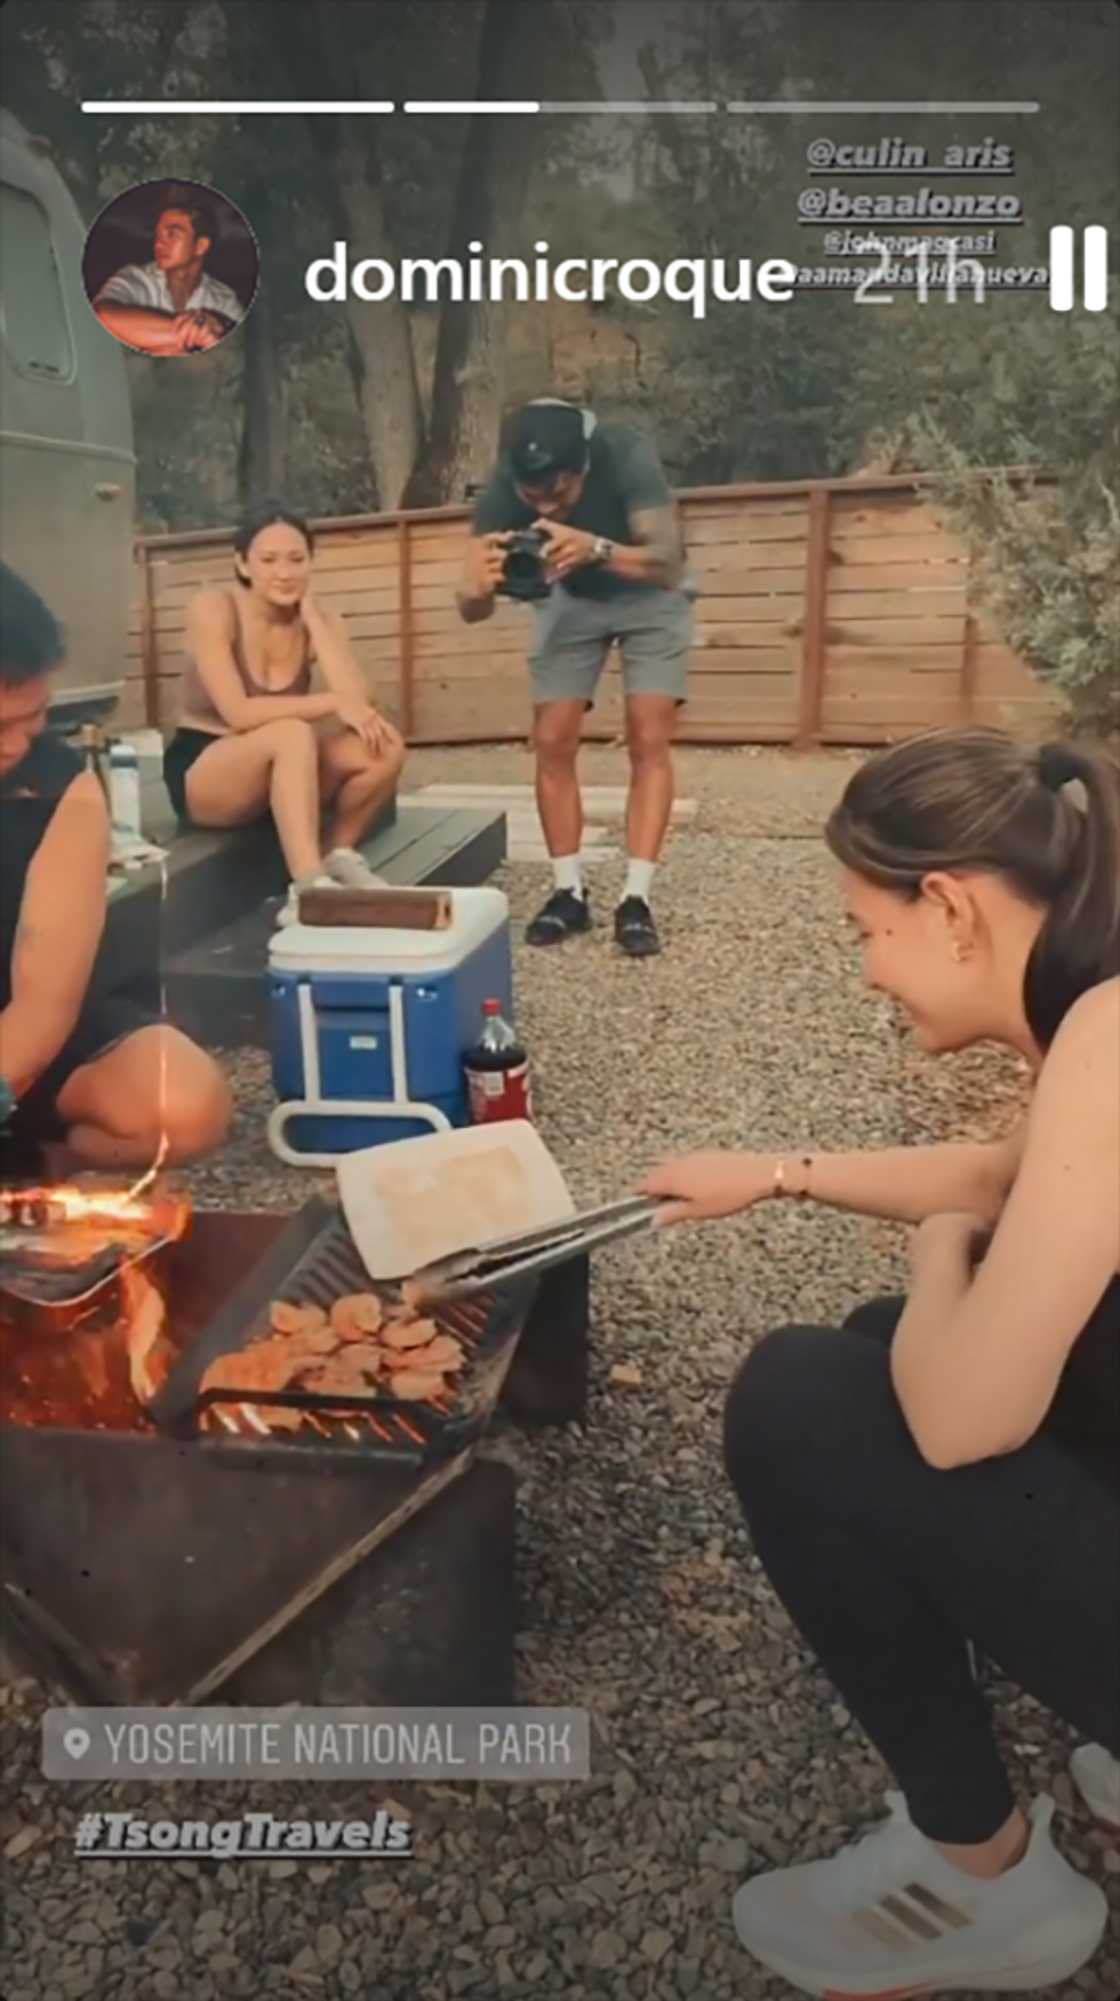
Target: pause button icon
column 1095, row 287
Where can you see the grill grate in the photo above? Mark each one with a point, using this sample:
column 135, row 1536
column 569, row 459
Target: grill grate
column 314, row 1263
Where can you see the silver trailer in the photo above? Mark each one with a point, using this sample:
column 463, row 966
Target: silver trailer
column 67, row 465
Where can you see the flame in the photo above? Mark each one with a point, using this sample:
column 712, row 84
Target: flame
column 66, row 1204
column 63, row 1202
column 145, row 1182
column 70, row 1222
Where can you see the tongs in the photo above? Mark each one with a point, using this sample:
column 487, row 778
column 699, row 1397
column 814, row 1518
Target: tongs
column 487, row 1265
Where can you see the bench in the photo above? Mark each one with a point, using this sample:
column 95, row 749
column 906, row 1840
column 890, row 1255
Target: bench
column 193, row 931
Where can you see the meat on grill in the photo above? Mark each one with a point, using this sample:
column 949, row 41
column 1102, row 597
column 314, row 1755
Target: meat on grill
column 264, row 1365
column 409, row 1333
column 288, row 1319
column 356, row 1315
column 417, row 1385
column 358, row 1346
column 444, row 1353
column 342, row 1374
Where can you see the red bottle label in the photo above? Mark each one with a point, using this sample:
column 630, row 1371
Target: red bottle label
column 500, row 1094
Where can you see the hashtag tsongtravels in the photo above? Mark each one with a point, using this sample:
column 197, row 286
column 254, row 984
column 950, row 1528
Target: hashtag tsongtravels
column 252, row 1836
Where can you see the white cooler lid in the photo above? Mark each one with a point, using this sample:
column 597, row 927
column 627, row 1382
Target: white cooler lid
column 416, row 1200
column 475, row 915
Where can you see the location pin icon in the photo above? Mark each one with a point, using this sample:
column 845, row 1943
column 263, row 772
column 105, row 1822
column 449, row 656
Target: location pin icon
column 76, row 1742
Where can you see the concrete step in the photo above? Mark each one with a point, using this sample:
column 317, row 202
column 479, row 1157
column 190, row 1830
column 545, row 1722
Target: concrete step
column 522, row 830
column 602, row 803
column 539, row 857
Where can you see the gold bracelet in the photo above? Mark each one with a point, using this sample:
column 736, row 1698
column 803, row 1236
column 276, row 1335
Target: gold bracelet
column 779, row 1188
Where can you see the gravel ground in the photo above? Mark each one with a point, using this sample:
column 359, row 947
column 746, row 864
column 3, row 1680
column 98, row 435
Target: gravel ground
column 722, row 1748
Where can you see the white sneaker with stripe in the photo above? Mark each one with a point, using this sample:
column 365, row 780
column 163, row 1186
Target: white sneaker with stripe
column 351, row 869
column 1096, row 1774
column 889, row 1918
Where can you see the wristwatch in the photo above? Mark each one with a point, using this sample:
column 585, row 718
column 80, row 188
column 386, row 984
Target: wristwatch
column 601, row 549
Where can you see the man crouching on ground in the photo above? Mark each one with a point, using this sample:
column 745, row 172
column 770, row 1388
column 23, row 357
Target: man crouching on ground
column 101, row 1075
column 612, row 555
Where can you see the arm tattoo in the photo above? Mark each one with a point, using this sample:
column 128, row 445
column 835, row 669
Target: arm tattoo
column 655, row 530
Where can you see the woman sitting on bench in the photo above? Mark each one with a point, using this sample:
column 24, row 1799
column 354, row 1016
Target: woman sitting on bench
column 942, row 1473
column 254, row 739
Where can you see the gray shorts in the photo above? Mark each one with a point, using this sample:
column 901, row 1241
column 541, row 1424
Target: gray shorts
column 573, row 635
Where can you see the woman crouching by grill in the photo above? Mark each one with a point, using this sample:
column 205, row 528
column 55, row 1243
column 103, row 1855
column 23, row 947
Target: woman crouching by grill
column 940, row 1477
column 255, row 738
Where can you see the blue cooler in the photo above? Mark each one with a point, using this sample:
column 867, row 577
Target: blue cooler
column 370, row 1027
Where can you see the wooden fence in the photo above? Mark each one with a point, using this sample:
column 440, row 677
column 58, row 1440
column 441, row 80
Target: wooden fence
column 832, row 611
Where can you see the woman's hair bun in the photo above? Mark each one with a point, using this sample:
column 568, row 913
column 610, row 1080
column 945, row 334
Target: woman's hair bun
column 1058, row 764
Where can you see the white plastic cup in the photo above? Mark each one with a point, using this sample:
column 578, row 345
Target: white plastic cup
column 124, row 788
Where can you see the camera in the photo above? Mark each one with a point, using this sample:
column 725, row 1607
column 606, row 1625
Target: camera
column 523, row 577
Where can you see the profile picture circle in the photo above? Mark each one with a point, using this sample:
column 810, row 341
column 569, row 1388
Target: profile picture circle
column 170, row 267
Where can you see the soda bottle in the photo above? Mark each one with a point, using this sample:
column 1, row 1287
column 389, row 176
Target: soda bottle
column 497, row 1070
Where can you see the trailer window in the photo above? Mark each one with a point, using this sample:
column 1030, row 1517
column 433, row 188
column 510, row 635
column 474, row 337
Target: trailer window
column 31, row 309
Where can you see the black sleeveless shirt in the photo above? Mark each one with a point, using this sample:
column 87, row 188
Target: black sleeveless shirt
column 1085, row 1408
column 29, row 797
column 1086, row 1405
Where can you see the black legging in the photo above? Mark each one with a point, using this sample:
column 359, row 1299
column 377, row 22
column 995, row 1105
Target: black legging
column 890, row 1567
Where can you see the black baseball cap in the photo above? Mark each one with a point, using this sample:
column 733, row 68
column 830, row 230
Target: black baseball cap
column 546, row 439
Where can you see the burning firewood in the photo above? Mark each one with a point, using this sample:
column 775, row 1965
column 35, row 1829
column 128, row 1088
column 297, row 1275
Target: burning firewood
column 145, row 1314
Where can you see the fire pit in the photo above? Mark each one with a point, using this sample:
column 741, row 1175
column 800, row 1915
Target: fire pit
column 78, row 1315
column 157, row 1536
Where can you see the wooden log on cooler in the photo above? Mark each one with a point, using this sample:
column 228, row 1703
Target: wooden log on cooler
column 385, row 909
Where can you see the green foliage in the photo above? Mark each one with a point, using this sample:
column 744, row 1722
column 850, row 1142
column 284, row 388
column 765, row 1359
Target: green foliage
column 1047, row 553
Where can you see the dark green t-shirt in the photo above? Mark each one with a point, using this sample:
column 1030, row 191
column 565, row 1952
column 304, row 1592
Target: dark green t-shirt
column 623, row 478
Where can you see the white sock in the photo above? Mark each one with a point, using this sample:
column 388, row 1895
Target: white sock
column 639, row 879
column 566, row 873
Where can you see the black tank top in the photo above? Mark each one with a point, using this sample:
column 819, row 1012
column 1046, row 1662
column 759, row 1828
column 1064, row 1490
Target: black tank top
column 29, row 797
column 1086, row 1406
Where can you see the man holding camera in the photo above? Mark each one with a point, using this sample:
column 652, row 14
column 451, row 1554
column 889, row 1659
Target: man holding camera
column 578, row 520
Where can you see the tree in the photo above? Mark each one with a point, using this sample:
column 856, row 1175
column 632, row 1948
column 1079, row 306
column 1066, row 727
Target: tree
column 321, row 44
column 262, row 458
column 470, row 363
column 518, row 47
